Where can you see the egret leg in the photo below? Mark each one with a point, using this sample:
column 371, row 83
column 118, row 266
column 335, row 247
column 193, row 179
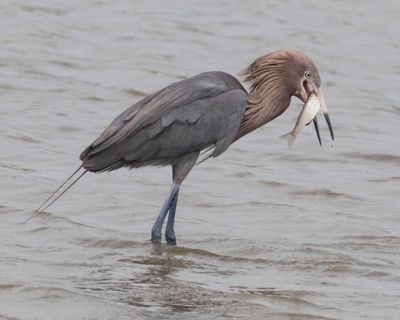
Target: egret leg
column 169, row 231
column 180, row 169
column 157, row 227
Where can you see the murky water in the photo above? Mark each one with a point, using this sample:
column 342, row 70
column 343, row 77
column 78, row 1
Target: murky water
column 264, row 232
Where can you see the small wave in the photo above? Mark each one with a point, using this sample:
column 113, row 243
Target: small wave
column 385, row 179
column 15, row 167
column 24, row 138
column 33, row 9
column 395, row 240
column 297, row 316
column 377, row 157
column 299, row 158
column 323, row 192
column 107, row 243
column 48, row 216
column 136, row 93
column 273, row 183
column 66, row 64
column 166, row 261
column 246, row 204
column 97, row 99
column 40, row 229
column 191, row 251
column 9, row 286
column 338, row 268
column 243, row 174
column 377, row 274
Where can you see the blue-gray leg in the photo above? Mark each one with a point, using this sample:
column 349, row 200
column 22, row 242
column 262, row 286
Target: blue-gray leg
column 157, row 227
column 169, row 231
column 180, row 169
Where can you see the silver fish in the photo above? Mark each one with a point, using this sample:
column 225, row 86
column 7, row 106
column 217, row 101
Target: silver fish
column 307, row 115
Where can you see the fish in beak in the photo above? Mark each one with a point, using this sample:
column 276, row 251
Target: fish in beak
column 314, row 103
column 308, row 114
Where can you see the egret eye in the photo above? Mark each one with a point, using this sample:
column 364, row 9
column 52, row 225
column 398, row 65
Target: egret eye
column 307, row 75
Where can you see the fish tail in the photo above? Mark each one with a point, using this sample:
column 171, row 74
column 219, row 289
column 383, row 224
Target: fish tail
column 289, row 137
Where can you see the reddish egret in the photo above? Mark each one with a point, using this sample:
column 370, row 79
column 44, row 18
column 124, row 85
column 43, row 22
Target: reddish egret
column 205, row 113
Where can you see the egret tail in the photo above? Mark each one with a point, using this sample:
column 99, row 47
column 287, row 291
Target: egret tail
column 54, row 197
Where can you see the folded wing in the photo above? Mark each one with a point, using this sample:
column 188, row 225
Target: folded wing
column 186, row 116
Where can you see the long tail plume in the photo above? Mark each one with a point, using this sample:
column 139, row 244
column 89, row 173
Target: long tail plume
column 54, row 197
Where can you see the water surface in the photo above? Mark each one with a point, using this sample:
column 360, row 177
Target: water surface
column 263, row 232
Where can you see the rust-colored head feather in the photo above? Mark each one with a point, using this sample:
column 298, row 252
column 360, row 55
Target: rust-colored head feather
column 272, row 80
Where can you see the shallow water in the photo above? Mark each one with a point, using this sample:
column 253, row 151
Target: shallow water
column 263, row 232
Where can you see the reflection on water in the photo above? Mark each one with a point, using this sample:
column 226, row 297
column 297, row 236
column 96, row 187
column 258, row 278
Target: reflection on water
column 264, row 232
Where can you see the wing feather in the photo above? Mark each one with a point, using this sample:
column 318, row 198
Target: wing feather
column 187, row 114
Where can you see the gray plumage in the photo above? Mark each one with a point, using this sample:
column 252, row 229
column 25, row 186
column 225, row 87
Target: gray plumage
column 186, row 117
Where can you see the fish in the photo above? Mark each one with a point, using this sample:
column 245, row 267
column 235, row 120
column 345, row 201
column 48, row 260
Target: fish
column 307, row 114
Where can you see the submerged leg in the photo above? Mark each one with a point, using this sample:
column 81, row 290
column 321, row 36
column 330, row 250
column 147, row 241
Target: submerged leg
column 169, row 231
column 157, row 227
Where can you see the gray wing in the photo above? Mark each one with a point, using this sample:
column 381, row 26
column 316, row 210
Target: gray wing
column 186, row 116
